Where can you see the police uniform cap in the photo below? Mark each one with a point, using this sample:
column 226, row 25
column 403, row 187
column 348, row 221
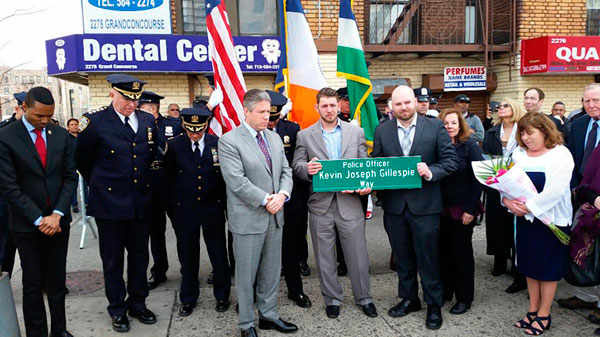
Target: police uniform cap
column 343, row 93
column 433, row 100
column 422, row 94
column 462, row 98
column 127, row 85
column 277, row 102
column 195, row 119
column 150, row 97
column 20, row 97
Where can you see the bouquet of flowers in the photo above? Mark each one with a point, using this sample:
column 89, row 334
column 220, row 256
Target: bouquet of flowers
column 512, row 181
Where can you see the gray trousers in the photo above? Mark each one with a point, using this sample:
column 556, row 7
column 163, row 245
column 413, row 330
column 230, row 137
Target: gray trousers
column 257, row 257
column 354, row 245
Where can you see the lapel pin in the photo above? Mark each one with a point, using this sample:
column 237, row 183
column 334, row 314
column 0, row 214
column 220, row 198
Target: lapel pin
column 49, row 132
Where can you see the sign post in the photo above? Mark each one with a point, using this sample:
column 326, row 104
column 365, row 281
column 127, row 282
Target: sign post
column 376, row 173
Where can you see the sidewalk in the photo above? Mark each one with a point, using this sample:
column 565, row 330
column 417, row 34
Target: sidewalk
column 493, row 313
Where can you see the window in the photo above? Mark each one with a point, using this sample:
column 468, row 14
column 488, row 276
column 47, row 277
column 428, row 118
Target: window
column 37, row 79
column 5, row 80
column 16, row 79
column 6, row 91
column 194, row 16
column 382, row 16
column 593, row 17
column 257, row 17
column 470, row 23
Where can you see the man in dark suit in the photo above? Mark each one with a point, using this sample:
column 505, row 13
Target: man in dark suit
column 295, row 210
column 37, row 179
column 198, row 200
column 412, row 217
column 114, row 151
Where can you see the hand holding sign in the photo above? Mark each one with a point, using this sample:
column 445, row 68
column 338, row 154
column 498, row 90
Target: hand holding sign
column 314, row 166
column 424, row 171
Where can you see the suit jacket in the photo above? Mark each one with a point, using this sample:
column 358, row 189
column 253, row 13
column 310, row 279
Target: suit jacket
column 30, row 189
column 492, row 144
column 310, row 144
column 576, row 144
column 249, row 180
column 432, row 143
column 115, row 163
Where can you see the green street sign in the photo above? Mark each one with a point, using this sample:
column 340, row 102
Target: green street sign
column 377, row 173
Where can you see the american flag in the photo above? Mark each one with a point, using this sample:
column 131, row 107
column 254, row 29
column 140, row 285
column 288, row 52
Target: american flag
column 226, row 69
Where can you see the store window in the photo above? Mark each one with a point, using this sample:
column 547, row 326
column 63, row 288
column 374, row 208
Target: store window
column 257, row 17
column 194, row 17
column 593, row 17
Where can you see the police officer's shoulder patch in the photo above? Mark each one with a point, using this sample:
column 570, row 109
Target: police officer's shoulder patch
column 83, row 123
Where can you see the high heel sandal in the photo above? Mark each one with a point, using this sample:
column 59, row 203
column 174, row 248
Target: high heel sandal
column 535, row 331
column 524, row 324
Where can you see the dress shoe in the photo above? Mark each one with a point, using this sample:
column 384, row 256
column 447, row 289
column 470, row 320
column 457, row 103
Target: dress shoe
column 594, row 317
column 186, row 309
column 75, row 210
column 304, row 269
column 332, row 311
column 145, row 316
column 120, row 323
column 575, row 303
column 278, row 324
column 498, row 272
column 597, row 332
column 369, row 310
column 223, row 305
column 300, row 299
column 251, row 332
column 434, row 317
column 459, row 308
column 342, row 269
column 404, row 308
column 155, row 281
column 61, row 334
column 516, row 287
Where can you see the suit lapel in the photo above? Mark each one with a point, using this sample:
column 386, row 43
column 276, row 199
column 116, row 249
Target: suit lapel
column 251, row 141
column 345, row 130
column 419, row 128
column 50, row 146
column 119, row 125
column 272, row 139
column 25, row 137
column 318, row 137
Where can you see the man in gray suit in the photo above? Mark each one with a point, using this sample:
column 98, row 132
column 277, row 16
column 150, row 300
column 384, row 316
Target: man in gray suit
column 331, row 138
column 259, row 181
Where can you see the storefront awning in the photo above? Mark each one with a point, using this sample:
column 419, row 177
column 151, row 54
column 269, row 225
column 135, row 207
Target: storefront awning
column 560, row 55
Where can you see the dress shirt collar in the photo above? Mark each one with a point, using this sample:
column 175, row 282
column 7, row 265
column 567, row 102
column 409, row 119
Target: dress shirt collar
column 28, row 125
column 132, row 117
column 338, row 125
column 412, row 123
column 252, row 131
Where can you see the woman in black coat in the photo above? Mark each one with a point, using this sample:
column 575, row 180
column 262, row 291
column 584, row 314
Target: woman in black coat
column 500, row 140
column 461, row 198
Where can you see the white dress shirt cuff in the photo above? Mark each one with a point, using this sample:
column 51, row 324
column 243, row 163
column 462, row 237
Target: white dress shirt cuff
column 286, row 193
column 37, row 221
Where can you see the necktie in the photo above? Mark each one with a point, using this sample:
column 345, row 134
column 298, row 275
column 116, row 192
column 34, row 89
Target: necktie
column 40, row 146
column 129, row 126
column 263, row 147
column 197, row 149
column 406, row 142
column 589, row 146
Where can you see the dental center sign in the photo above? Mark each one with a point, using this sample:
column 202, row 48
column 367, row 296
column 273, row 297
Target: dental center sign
column 126, row 16
column 560, row 54
column 154, row 53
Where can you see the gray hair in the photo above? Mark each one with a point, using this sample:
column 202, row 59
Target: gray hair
column 255, row 96
column 591, row 87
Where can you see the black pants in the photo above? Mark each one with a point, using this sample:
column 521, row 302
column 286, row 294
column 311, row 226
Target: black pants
column 188, row 249
column 290, row 257
column 456, row 260
column 158, row 224
column 8, row 248
column 414, row 241
column 116, row 236
column 44, row 261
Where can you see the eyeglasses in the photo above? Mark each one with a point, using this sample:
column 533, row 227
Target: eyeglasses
column 174, row 109
column 505, row 106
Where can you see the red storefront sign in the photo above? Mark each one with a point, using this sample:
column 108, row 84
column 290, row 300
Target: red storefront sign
column 560, row 54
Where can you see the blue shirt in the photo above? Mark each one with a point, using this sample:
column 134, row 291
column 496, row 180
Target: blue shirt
column 333, row 141
column 33, row 136
column 587, row 132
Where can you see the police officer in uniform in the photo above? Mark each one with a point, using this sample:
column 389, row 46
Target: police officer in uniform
column 8, row 248
column 295, row 210
column 115, row 149
column 197, row 192
column 167, row 128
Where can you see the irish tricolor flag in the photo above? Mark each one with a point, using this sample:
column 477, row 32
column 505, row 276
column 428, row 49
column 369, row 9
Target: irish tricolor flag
column 299, row 69
column 351, row 64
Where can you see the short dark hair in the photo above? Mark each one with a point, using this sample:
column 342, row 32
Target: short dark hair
column 327, row 92
column 535, row 120
column 558, row 103
column 39, row 94
column 539, row 91
column 72, row 120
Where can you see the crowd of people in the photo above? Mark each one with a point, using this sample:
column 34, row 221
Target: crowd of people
column 250, row 193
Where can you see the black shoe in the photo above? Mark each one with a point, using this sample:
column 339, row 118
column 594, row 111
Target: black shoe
column 499, row 266
column 61, row 334
column 278, row 324
column 300, row 299
column 75, row 210
column 404, row 308
column 459, row 308
column 155, row 281
column 369, row 310
column 597, row 332
column 332, row 311
column 434, row 317
column 223, row 305
column 120, row 323
column 251, row 332
column 304, row 269
column 186, row 309
column 211, row 278
column 342, row 269
column 516, row 287
column 145, row 316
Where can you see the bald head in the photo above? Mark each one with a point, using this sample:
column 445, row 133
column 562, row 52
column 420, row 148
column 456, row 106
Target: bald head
column 404, row 104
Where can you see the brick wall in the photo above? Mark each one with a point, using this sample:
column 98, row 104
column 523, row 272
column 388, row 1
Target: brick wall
column 550, row 17
column 326, row 17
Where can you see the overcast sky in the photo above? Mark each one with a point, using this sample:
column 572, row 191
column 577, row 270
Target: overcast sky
column 23, row 37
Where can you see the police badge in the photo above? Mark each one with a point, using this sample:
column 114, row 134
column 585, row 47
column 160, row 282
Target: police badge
column 168, row 131
column 286, row 141
column 215, row 156
column 149, row 131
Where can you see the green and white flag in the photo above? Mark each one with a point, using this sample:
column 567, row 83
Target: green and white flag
column 351, row 64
